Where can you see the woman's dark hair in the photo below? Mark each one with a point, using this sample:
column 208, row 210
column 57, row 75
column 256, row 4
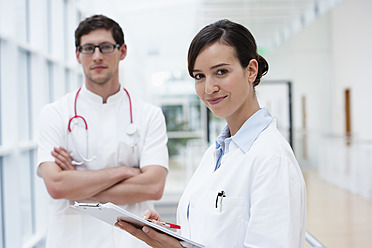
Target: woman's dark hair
column 99, row 22
column 233, row 35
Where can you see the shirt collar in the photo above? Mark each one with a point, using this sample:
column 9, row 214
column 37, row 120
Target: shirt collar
column 98, row 99
column 248, row 133
column 222, row 139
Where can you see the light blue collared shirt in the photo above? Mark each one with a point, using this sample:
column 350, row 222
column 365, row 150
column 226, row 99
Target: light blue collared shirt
column 245, row 136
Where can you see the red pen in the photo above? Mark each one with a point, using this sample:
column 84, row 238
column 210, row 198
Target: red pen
column 170, row 225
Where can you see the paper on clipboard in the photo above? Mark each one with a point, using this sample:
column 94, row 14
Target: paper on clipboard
column 110, row 213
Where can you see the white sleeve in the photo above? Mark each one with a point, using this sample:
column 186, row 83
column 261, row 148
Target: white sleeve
column 155, row 151
column 51, row 133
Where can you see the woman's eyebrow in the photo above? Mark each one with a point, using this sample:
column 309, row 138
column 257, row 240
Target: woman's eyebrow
column 218, row 65
column 212, row 67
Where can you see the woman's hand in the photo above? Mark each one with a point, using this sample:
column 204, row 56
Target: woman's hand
column 63, row 159
column 151, row 215
column 150, row 236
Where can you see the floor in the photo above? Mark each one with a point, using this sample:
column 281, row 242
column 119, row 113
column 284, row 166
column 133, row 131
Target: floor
column 336, row 217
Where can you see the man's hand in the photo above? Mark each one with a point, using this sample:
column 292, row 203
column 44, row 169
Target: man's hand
column 63, row 159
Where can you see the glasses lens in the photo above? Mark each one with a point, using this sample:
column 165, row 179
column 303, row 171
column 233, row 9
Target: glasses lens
column 87, row 49
column 107, row 47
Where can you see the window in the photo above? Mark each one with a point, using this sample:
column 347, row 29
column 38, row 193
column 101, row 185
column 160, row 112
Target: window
column 26, row 179
column 67, row 80
column 22, row 19
column 25, row 134
column 65, row 30
column 24, row 111
column 2, row 228
column 2, row 241
column 22, row 195
column 183, row 121
column 50, row 83
column 49, row 26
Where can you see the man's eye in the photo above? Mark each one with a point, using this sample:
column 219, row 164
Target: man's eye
column 87, row 48
column 106, row 46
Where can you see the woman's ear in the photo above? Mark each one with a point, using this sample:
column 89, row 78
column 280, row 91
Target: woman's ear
column 252, row 70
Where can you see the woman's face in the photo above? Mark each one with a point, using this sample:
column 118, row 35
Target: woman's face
column 223, row 85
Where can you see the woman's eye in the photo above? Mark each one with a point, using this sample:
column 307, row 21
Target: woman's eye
column 221, row 72
column 198, row 76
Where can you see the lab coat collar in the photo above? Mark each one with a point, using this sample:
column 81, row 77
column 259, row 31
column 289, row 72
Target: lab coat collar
column 248, row 133
column 98, row 99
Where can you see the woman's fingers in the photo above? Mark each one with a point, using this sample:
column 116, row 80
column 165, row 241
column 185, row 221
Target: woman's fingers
column 151, row 215
column 136, row 232
column 150, row 236
column 162, row 240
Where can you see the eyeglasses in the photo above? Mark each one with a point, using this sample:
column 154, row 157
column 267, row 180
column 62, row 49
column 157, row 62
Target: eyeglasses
column 103, row 48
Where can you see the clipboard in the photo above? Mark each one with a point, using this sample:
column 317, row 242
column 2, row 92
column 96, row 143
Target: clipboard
column 110, row 213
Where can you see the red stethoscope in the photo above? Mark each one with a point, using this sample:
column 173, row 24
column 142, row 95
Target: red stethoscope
column 130, row 130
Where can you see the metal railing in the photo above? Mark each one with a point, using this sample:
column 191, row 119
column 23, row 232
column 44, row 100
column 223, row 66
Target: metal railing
column 311, row 240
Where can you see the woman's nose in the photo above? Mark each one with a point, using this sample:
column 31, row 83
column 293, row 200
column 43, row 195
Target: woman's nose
column 210, row 86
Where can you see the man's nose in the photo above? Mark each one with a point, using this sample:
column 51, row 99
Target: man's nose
column 97, row 53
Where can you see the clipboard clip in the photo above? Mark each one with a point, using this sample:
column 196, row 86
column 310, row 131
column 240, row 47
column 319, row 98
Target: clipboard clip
column 94, row 205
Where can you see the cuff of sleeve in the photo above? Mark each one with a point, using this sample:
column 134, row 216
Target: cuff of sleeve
column 186, row 244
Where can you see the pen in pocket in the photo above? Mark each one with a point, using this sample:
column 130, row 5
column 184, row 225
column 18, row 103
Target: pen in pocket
column 220, row 195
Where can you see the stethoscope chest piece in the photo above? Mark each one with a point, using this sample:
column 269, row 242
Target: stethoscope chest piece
column 131, row 129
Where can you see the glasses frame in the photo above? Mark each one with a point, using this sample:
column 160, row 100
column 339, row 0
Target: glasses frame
column 80, row 48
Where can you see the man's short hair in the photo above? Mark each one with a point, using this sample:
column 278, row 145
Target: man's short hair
column 99, row 22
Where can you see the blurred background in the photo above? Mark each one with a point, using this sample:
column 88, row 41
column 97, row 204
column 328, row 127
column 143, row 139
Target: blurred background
column 318, row 88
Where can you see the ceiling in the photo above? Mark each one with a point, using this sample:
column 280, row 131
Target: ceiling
column 158, row 32
column 169, row 25
column 270, row 21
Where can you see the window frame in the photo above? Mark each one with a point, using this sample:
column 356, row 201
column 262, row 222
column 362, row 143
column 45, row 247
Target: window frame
column 2, row 227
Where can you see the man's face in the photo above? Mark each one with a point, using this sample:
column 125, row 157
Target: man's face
column 100, row 68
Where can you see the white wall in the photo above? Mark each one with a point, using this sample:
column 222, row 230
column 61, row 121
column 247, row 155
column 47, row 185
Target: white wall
column 305, row 61
column 351, row 56
column 322, row 60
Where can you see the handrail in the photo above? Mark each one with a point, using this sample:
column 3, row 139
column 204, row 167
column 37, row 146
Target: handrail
column 313, row 241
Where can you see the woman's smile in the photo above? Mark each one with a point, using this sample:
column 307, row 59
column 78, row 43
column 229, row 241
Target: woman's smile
column 216, row 100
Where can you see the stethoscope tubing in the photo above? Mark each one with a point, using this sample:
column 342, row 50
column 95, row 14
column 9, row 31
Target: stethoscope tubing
column 76, row 116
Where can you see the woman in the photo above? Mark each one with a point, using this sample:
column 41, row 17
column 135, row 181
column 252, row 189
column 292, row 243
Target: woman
column 248, row 190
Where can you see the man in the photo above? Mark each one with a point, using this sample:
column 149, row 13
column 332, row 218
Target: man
column 100, row 144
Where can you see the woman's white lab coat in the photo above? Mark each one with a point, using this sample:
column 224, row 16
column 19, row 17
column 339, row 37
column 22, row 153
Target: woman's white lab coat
column 264, row 203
